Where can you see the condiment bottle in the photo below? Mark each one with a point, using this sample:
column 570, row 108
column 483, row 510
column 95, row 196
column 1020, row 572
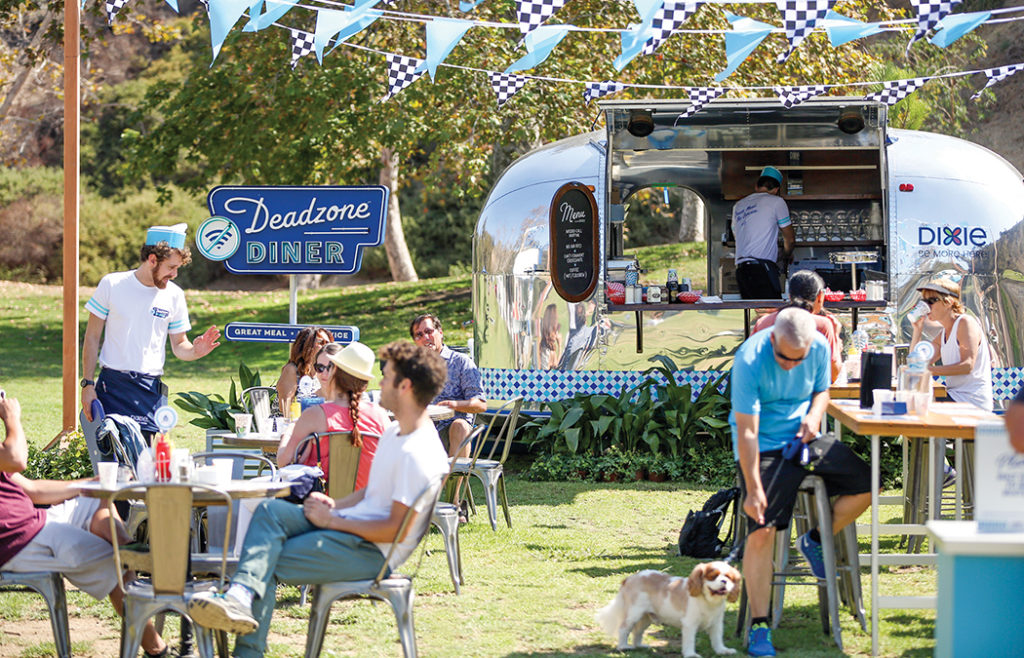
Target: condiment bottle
column 672, row 286
column 162, row 457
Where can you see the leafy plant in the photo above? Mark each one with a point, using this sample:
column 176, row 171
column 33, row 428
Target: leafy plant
column 69, row 462
column 212, row 411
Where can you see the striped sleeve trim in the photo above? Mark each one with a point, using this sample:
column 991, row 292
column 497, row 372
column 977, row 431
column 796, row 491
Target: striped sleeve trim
column 97, row 309
column 180, row 324
column 785, row 221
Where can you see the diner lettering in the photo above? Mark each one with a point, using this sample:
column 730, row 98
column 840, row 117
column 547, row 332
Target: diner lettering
column 263, row 219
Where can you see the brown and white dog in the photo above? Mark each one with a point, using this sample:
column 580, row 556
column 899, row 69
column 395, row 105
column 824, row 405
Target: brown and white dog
column 689, row 603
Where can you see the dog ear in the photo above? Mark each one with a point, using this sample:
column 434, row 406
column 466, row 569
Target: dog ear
column 736, row 578
column 695, row 583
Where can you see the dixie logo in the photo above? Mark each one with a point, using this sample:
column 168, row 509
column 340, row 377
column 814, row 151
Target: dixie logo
column 952, row 236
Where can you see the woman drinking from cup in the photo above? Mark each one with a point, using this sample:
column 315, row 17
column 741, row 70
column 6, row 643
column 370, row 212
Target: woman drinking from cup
column 344, row 411
column 961, row 345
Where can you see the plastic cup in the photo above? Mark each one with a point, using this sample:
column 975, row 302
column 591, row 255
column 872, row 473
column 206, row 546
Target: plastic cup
column 880, row 395
column 108, row 474
column 223, row 468
column 306, row 403
column 124, row 474
column 922, row 403
column 243, row 423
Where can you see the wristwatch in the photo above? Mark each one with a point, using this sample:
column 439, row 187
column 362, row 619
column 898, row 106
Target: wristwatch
column 87, row 382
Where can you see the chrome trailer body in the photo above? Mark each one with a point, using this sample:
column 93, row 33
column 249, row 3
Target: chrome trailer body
column 946, row 206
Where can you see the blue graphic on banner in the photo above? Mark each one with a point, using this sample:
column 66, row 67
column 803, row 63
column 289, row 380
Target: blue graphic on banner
column 293, row 230
column 263, row 332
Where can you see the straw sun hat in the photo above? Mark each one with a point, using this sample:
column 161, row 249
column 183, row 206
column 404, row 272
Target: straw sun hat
column 356, row 359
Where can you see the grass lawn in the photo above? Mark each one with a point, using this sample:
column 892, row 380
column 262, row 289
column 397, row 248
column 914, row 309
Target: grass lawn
column 531, row 591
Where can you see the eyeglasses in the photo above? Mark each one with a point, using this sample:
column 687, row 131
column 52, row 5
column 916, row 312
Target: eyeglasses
column 322, row 368
column 787, row 358
column 424, row 332
column 931, row 300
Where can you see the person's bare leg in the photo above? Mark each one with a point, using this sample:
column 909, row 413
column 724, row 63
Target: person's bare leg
column 757, row 569
column 847, row 509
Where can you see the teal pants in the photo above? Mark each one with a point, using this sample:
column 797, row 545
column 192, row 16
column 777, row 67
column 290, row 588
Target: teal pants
column 281, row 545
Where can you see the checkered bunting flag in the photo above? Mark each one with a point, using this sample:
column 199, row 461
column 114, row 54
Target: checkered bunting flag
column 799, row 18
column 997, row 74
column 699, row 97
column 402, row 72
column 598, row 89
column 790, row 96
column 894, row 91
column 506, row 85
column 112, row 7
column 302, row 44
column 667, row 20
column 930, row 12
column 532, row 13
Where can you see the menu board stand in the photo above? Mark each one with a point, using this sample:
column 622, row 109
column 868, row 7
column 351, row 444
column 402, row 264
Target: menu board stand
column 574, row 242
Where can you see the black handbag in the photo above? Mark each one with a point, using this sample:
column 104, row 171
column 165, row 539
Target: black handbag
column 308, row 483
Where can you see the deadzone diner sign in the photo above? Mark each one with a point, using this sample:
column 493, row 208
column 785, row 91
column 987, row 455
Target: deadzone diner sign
column 293, row 230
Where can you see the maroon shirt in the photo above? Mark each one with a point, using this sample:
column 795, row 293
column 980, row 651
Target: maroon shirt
column 20, row 521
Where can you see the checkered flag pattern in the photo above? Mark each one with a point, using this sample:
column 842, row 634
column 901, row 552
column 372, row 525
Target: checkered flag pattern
column 506, row 85
column 402, row 72
column 112, row 7
column 598, row 89
column 302, row 44
column 894, row 91
column 667, row 20
column 799, row 18
column 930, row 12
column 997, row 74
column 532, row 13
column 790, row 96
column 699, row 97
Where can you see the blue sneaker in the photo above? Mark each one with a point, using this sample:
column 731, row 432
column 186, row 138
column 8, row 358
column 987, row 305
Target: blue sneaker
column 811, row 550
column 759, row 642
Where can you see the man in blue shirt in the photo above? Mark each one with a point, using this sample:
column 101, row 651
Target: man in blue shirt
column 780, row 381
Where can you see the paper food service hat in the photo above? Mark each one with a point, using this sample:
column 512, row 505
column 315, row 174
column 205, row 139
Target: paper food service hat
column 174, row 236
column 772, row 172
column 356, row 359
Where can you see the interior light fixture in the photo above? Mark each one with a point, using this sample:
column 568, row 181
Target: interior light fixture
column 641, row 123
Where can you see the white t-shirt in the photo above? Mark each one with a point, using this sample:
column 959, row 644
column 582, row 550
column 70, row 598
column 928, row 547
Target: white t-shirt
column 138, row 320
column 756, row 220
column 402, row 468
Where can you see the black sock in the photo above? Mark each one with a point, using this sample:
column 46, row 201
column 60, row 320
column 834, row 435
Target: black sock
column 815, row 535
column 759, row 620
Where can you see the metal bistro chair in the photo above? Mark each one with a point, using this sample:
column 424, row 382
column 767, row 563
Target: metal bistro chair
column 133, row 511
column 260, row 401
column 490, row 471
column 396, row 589
column 445, row 518
column 342, row 460
column 51, row 585
column 169, row 587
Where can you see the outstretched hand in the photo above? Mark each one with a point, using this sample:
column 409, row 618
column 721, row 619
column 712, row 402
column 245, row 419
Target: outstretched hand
column 204, row 344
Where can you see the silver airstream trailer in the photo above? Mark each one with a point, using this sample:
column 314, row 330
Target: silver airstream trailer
column 869, row 204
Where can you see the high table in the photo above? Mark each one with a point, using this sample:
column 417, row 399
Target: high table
column 851, row 390
column 237, row 489
column 945, row 420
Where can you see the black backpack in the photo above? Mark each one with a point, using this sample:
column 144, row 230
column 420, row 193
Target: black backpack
column 699, row 536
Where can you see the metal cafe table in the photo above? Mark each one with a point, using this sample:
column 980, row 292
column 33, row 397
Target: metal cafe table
column 945, row 420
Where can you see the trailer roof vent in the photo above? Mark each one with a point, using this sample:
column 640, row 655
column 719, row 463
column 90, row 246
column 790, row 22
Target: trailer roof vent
column 851, row 121
column 641, row 123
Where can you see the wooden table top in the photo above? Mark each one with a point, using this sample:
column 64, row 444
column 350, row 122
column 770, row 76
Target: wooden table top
column 851, row 390
column 947, row 420
column 235, row 488
column 265, row 442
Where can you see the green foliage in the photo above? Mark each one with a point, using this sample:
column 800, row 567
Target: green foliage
column 70, row 461
column 212, row 411
column 657, row 415
column 703, row 464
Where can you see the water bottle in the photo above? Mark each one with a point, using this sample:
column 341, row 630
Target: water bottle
column 860, row 340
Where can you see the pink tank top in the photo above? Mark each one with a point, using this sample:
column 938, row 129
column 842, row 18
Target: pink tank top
column 373, row 420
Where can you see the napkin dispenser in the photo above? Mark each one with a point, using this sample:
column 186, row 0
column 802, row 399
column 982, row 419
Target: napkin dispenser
column 875, row 372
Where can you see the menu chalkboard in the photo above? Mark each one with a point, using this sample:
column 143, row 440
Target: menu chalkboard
column 574, row 249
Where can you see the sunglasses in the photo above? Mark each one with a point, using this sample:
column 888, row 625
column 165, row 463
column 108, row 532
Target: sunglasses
column 321, row 368
column 787, row 358
column 931, row 300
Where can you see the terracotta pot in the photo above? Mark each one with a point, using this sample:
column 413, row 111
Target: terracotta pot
column 657, row 477
column 581, row 474
column 639, row 474
column 611, row 476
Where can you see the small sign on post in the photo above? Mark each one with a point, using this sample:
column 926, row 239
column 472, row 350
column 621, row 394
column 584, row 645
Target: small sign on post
column 573, row 237
column 268, row 332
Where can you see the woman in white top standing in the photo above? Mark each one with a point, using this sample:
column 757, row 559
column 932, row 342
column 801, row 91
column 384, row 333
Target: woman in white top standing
column 961, row 345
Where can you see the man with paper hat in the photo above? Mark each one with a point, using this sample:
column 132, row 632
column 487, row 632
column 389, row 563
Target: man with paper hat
column 756, row 222
column 135, row 312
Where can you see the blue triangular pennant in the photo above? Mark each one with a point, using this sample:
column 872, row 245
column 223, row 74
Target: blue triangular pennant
column 539, row 44
column 261, row 18
column 223, row 16
column 443, row 34
column 469, row 6
column 954, row 26
column 746, row 35
column 340, row 25
column 841, row 29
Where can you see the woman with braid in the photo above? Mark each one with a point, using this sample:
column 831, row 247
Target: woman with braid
column 346, row 411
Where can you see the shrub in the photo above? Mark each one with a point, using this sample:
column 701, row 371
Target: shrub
column 68, row 462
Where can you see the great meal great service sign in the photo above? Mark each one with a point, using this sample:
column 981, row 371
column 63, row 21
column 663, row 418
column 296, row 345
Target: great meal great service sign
column 293, row 230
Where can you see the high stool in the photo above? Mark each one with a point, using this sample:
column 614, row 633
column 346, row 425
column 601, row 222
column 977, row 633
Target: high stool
column 842, row 568
column 916, row 481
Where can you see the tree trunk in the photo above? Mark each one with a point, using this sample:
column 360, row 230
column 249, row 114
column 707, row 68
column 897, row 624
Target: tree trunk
column 399, row 261
column 691, row 217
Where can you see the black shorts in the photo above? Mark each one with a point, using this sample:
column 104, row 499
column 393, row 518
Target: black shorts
column 758, row 279
column 843, row 471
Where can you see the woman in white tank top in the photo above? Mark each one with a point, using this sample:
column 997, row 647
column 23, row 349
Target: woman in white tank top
column 961, row 345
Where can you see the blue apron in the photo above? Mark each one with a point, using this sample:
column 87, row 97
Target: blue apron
column 133, row 394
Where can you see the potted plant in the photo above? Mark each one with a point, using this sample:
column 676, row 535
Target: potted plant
column 579, row 467
column 213, row 413
column 636, row 466
column 657, row 468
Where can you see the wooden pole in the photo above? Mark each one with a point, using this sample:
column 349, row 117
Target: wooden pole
column 71, row 166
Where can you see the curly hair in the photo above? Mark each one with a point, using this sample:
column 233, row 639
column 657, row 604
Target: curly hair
column 354, row 388
column 304, row 349
column 422, row 366
column 162, row 250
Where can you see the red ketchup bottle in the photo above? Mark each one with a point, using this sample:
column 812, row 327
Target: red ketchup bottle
column 162, row 459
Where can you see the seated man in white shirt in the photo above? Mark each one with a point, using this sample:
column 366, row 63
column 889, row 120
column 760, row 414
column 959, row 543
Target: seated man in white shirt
column 328, row 540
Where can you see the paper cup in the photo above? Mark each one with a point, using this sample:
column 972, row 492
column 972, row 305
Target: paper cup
column 108, row 474
column 206, row 475
column 243, row 423
column 223, row 468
